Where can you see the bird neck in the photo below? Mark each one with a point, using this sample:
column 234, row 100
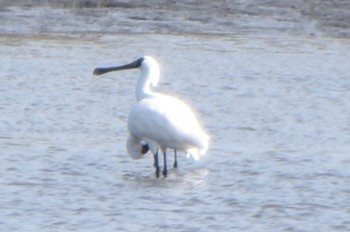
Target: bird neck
column 149, row 77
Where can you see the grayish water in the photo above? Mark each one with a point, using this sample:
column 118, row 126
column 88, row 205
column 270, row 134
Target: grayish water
column 277, row 109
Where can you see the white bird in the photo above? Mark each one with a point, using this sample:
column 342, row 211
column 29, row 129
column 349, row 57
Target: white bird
column 158, row 119
column 135, row 149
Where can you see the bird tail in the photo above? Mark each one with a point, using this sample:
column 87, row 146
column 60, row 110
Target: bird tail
column 201, row 147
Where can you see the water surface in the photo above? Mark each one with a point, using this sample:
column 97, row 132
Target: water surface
column 276, row 107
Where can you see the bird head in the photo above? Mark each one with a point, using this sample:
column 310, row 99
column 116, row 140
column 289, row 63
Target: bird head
column 150, row 67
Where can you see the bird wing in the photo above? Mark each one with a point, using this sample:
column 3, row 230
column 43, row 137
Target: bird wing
column 168, row 121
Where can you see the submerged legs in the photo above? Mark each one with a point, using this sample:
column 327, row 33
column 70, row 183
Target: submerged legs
column 165, row 170
column 156, row 163
column 175, row 159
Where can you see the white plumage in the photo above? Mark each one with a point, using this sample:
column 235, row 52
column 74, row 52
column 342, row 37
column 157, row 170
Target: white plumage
column 168, row 122
column 159, row 120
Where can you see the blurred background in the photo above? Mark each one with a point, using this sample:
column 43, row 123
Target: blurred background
column 311, row 17
column 269, row 81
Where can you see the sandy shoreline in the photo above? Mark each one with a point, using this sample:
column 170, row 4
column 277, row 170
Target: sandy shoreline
column 316, row 18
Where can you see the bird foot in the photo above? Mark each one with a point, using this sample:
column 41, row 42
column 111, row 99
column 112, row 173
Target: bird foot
column 157, row 172
column 165, row 173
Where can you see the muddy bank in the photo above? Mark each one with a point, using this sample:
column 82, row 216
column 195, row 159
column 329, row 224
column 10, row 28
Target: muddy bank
column 312, row 17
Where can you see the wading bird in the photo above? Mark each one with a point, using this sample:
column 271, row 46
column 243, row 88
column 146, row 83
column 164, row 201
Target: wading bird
column 159, row 120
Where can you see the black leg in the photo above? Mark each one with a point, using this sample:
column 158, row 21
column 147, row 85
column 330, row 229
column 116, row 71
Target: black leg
column 175, row 159
column 165, row 171
column 156, row 164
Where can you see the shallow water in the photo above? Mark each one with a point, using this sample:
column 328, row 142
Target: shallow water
column 276, row 107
